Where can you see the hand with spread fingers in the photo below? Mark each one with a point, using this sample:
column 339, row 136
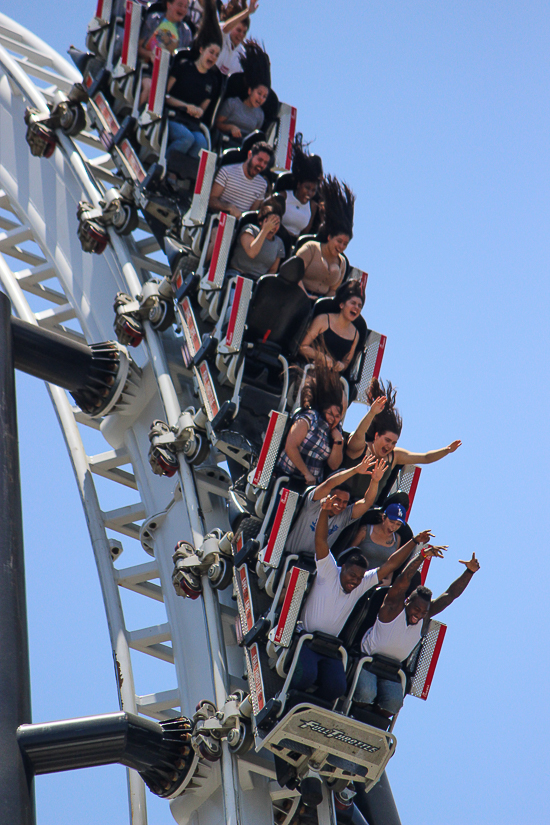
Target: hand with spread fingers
column 326, row 503
column 472, row 565
column 379, row 469
column 423, row 537
column 367, row 464
column 434, row 552
column 378, row 404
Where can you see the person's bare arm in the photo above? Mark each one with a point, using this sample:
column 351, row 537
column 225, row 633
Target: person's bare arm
column 228, row 128
column 322, row 490
column 457, row 587
column 274, row 268
column 337, row 453
column 321, row 531
column 356, row 442
column 297, row 433
column 216, row 203
column 144, row 53
column 251, row 244
column 400, row 556
column 396, row 595
column 229, row 25
column 406, row 457
column 360, row 507
column 316, row 328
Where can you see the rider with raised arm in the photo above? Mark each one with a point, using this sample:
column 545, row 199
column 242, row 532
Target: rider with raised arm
column 301, row 538
column 378, row 435
column 333, row 596
column 399, row 626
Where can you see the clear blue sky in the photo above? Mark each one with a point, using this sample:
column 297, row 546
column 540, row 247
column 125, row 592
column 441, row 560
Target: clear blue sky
column 436, row 113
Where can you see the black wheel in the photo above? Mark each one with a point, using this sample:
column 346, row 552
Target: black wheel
column 240, row 740
column 162, row 316
column 73, row 120
column 200, row 452
column 127, row 219
column 220, row 574
column 211, row 751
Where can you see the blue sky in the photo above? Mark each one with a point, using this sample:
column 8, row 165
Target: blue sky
column 436, row 114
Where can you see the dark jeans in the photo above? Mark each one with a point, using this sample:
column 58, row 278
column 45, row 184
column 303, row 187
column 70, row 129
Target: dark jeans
column 315, row 669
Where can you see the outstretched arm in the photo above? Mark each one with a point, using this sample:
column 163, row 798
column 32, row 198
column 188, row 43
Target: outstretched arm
column 356, row 443
column 321, row 532
column 400, row 556
column 364, row 504
column 457, row 588
column 230, row 24
column 395, row 597
column 406, row 457
column 364, row 466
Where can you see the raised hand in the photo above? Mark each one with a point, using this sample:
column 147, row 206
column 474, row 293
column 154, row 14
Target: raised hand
column 424, row 537
column 378, row 404
column 472, row 565
column 434, row 552
column 328, row 501
column 253, row 6
column 454, row 446
column 366, row 465
column 380, row 469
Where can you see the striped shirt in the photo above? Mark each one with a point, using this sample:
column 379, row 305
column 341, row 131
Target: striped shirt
column 238, row 190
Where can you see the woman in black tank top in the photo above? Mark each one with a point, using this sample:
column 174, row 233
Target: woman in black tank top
column 378, row 433
column 335, row 333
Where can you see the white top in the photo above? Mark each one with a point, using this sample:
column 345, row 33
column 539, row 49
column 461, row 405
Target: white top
column 297, row 215
column 328, row 605
column 229, row 60
column 395, row 639
column 238, row 190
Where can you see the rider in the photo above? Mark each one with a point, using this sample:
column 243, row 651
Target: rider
column 333, row 596
column 399, row 627
column 301, row 538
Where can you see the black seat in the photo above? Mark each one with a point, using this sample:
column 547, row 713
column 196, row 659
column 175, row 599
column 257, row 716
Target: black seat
column 280, row 311
column 240, row 154
column 362, row 617
column 285, row 182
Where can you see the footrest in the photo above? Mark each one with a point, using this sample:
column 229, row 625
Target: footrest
column 343, row 748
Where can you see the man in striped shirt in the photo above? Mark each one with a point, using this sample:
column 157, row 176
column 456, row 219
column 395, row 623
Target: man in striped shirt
column 240, row 187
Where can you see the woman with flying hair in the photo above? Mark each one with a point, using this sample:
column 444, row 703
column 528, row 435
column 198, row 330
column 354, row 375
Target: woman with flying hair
column 235, row 22
column 377, row 435
column 315, row 439
column 300, row 208
column 238, row 118
column 324, row 262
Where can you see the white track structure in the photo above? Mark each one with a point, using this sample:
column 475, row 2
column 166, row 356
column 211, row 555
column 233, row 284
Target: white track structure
column 41, row 198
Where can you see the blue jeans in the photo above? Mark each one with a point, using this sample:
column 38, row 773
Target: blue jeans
column 315, row 669
column 183, row 140
column 388, row 695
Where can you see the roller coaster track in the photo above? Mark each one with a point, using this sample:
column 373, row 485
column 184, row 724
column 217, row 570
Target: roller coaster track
column 61, row 288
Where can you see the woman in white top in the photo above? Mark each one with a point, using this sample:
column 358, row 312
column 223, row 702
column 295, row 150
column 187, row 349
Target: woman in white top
column 300, row 207
column 235, row 23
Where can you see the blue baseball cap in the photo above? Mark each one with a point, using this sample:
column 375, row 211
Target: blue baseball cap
column 396, row 512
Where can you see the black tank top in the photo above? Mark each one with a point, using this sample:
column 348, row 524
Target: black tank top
column 337, row 346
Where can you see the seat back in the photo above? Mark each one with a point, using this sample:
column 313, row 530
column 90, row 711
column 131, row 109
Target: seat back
column 362, row 617
column 280, row 311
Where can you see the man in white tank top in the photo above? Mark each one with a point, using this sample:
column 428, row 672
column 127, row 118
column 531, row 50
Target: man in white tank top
column 400, row 624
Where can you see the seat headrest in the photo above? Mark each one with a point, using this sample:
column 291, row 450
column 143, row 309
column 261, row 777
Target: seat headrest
column 292, row 270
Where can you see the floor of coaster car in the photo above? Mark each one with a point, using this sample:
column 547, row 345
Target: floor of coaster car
column 335, row 746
